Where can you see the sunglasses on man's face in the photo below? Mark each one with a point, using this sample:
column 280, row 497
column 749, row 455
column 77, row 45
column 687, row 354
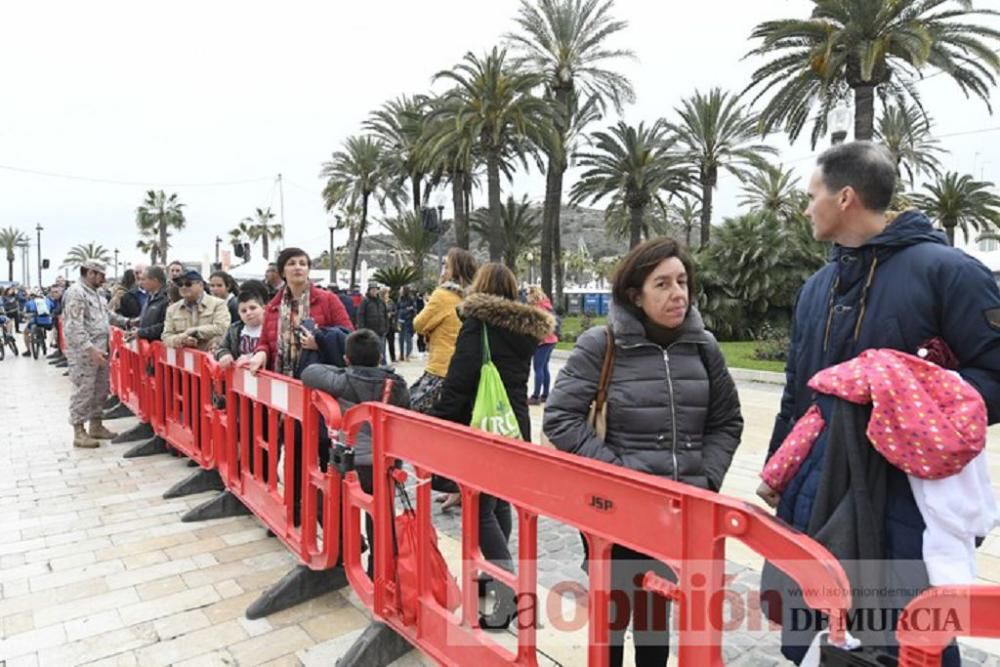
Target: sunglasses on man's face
column 185, row 283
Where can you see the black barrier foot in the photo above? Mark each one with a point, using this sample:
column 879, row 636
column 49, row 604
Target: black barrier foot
column 378, row 645
column 111, row 402
column 199, row 482
column 151, row 447
column 137, row 432
column 54, row 354
column 297, row 586
column 118, row 412
column 62, row 363
column 223, row 505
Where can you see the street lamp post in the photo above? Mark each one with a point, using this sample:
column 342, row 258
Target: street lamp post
column 38, row 230
column 333, row 267
column 440, row 220
column 840, row 120
column 116, row 263
column 218, row 240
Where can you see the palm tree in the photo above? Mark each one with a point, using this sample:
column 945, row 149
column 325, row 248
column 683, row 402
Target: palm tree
column 772, row 190
column 240, row 231
column 79, row 254
column 521, row 228
column 717, row 133
column 9, row 238
column 149, row 244
column 355, row 175
column 158, row 214
column 492, row 109
column 906, row 131
column 565, row 41
column 686, row 212
column 399, row 125
column 632, row 165
column 868, row 46
column 410, row 236
column 960, row 201
column 450, row 162
column 261, row 229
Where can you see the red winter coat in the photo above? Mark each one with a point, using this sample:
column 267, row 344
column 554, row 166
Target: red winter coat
column 324, row 308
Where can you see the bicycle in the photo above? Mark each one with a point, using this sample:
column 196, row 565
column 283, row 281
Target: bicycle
column 8, row 340
column 39, row 346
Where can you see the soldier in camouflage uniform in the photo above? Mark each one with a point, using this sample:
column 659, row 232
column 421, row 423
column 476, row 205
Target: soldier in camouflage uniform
column 86, row 319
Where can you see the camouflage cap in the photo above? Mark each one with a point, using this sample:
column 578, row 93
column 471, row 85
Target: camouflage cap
column 94, row 265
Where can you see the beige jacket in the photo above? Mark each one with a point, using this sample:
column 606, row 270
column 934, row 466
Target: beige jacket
column 207, row 321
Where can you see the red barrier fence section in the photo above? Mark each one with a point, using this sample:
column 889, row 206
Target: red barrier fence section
column 267, row 414
column 185, row 389
column 609, row 504
column 130, row 379
column 939, row 615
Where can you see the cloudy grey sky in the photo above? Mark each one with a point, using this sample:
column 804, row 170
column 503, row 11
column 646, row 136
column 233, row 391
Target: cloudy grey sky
column 195, row 96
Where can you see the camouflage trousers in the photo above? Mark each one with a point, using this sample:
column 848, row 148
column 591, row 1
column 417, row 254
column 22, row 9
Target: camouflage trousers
column 90, row 389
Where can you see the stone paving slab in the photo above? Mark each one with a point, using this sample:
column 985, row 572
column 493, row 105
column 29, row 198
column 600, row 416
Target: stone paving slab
column 96, row 568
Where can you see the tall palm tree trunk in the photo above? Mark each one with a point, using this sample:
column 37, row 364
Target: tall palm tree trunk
column 548, row 227
column 706, row 211
column 263, row 243
column 163, row 236
column 355, row 252
column 949, row 231
column 458, row 203
column 10, row 268
column 496, row 224
column 635, row 226
column 415, row 190
column 864, row 113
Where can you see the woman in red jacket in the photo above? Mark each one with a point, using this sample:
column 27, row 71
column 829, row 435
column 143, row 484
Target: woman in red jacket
column 283, row 337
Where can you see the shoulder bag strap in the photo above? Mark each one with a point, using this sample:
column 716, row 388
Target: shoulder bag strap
column 607, row 367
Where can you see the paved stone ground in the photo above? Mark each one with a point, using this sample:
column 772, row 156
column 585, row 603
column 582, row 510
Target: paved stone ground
column 96, row 568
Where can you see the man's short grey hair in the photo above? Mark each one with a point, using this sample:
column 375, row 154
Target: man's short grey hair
column 157, row 273
column 866, row 167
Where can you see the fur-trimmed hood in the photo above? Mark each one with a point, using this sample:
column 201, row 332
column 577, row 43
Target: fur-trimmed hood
column 506, row 314
column 453, row 287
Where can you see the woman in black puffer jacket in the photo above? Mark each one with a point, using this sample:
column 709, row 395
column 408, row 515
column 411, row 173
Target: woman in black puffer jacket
column 672, row 407
column 513, row 330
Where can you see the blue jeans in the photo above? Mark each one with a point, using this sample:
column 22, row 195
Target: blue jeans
column 540, row 363
column 405, row 339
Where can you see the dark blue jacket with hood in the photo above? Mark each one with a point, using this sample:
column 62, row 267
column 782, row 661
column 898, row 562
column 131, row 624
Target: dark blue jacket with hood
column 899, row 290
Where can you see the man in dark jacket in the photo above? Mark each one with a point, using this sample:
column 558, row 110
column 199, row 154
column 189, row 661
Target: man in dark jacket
column 155, row 311
column 893, row 285
column 346, row 300
column 373, row 314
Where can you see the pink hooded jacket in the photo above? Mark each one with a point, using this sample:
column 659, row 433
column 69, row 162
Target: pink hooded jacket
column 926, row 421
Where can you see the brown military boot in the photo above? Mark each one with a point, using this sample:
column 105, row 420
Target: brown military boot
column 81, row 439
column 98, row 431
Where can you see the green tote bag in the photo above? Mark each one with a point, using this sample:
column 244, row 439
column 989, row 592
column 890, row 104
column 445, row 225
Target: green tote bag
column 492, row 411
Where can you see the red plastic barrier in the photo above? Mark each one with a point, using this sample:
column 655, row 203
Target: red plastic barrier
column 609, row 504
column 129, row 371
column 184, row 393
column 266, row 414
column 939, row 615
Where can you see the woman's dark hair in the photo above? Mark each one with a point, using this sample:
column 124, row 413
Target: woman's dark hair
column 640, row 261
column 405, row 292
column 128, row 279
column 496, row 279
column 461, row 266
column 289, row 253
column 252, row 289
column 227, row 280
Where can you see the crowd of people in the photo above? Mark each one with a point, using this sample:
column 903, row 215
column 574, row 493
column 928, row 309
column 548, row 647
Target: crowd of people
column 650, row 391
